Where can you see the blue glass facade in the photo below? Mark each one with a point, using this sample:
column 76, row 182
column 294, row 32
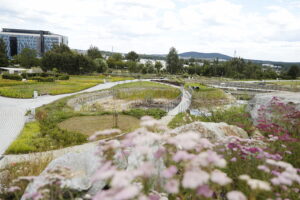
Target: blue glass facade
column 17, row 41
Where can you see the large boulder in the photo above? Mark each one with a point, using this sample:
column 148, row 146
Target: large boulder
column 81, row 168
column 292, row 98
column 212, row 131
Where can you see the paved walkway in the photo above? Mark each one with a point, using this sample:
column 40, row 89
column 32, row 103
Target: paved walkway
column 12, row 112
column 181, row 107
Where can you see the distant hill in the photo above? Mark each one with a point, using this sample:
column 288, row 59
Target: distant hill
column 198, row 55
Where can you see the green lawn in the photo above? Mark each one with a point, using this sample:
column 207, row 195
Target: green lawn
column 145, row 90
column 207, row 97
column 19, row 89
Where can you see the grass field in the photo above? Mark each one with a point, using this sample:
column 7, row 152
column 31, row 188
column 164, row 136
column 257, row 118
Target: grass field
column 295, row 84
column 145, row 90
column 206, row 97
column 19, row 89
column 88, row 125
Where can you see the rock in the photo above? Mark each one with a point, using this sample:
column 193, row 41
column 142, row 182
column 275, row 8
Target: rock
column 265, row 98
column 82, row 167
column 212, row 131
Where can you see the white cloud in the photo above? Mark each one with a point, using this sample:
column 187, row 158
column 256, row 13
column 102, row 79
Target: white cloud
column 153, row 26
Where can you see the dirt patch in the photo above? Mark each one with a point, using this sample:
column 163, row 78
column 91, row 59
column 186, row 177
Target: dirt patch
column 90, row 124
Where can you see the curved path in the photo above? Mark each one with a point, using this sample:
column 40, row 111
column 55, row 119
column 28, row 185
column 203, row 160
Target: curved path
column 12, row 112
column 181, row 107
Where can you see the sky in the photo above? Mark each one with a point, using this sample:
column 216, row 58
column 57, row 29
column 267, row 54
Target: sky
column 256, row 29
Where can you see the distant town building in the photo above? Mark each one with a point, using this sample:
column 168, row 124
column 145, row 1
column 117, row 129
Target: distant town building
column 41, row 41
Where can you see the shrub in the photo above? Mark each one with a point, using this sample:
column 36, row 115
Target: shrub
column 12, row 76
column 63, row 77
column 43, row 79
column 138, row 113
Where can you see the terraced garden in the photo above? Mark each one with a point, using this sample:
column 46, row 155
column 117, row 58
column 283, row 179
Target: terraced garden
column 60, row 125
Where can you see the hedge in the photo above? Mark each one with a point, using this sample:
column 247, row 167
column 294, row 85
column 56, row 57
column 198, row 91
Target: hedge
column 12, row 77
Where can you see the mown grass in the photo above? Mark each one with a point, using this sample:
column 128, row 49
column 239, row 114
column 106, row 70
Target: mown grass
column 205, row 96
column 236, row 115
column 145, row 90
column 19, row 89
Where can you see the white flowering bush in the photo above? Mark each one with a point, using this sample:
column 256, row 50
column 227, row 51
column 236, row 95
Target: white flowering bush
column 154, row 163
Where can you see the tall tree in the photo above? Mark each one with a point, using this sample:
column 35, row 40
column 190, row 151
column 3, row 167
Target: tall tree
column 173, row 63
column 158, row 66
column 3, row 55
column 93, row 52
column 132, row 56
column 293, row 72
column 28, row 58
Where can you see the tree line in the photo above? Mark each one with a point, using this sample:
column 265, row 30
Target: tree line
column 63, row 59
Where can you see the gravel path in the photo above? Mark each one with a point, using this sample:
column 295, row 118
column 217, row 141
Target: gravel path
column 12, row 112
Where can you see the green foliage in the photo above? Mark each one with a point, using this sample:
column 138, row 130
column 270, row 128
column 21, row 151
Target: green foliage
column 65, row 61
column 173, row 63
column 132, row 56
column 43, row 79
column 145, row 91
column 12, row 76
column 153, row 112
column 100, row 65
column 63, row 77
column 236, row 68
column 3, row 55
column 237, row 116
column 293, row 72
column 28, row 58
column 158, row 66
column 18, row 89
column 94, row 53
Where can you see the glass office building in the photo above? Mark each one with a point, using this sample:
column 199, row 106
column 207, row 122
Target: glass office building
column 18, row 39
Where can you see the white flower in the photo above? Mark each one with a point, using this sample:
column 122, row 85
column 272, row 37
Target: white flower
column 193, row 179
column 236, row 195
column 259, row 185
column 220, row 178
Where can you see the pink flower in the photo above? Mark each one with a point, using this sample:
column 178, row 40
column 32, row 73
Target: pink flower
column 205, row 191
column 236, row 195
column 170, row 172
column 220, row 177
column 172, row 186
column 159, row 153
column 194, row 179
column 233, row 159
column 128, row 192
column 187, row 141
column 182, row 156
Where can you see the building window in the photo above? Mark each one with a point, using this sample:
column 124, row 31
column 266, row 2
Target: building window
column 13, row 46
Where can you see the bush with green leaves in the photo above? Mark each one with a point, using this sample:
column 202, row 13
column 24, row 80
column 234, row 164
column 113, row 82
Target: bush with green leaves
column 153, row 112
column 12, row 76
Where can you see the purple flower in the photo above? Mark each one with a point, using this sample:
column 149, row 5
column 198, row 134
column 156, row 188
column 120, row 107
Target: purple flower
column 205, row 191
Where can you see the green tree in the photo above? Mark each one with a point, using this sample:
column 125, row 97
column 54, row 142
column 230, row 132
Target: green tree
column 132, row 56
column 293, row 72
column 28, row 58
column 158, row 66
column 3, row 55
column 173, row 63
column 117, row 56
column 61, row 48
column 100, row 65
column 94, row 52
